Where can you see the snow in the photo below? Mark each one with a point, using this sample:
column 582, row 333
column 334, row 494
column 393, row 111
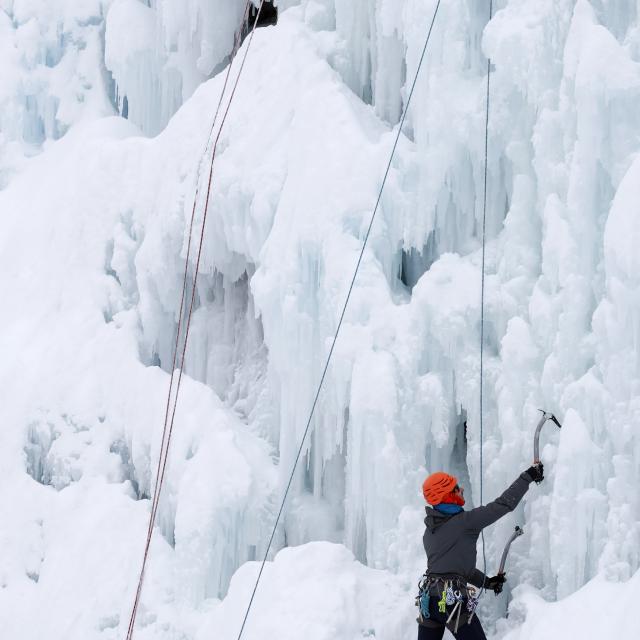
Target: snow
column 95, row 212
column 575, row 614
column 320, row 588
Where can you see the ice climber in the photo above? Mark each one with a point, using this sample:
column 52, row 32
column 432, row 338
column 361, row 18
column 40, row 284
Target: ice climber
column 449, row 589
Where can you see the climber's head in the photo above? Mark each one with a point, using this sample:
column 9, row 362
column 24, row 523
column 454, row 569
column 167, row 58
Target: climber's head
column 441, row 488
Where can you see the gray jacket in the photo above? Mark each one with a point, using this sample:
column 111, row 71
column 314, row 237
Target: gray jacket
column 450, row 540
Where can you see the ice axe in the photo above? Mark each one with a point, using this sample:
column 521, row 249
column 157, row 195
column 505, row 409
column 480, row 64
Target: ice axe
column 503, row 561
column 536, row 439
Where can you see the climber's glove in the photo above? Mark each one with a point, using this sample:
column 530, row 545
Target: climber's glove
column 536, row 472
column 495, row 583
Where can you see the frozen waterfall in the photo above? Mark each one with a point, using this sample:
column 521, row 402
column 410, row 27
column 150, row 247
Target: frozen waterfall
column 105, row 111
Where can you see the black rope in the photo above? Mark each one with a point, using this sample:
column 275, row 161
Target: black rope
column 482, row 286
column 335, row 337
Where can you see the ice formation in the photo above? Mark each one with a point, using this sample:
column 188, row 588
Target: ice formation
column 94, row 240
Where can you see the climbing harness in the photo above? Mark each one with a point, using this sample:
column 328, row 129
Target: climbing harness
column 457, row 600
column 337, row 332
column 171, row 405
column 536, row 438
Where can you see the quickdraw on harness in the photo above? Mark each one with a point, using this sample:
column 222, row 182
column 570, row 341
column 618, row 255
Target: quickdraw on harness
column 457, row 598
column 472, row 602
column 422, row 600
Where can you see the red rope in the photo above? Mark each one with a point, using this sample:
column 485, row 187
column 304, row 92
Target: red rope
column 236, row 46
column 168, row 425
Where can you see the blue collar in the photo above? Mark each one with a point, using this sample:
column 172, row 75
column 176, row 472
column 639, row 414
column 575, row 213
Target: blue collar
column 448, row 509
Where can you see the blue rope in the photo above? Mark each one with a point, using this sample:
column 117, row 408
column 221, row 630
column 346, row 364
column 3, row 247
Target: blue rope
column 344, row 308
column 482, row 287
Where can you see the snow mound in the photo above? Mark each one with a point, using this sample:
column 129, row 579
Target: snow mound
column 598, row 610
column 318, row 589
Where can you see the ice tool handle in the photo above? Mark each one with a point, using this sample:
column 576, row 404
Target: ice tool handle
column 503, row 561
column 536, row 439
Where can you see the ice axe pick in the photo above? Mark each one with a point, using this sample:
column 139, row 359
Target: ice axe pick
column 536, row 439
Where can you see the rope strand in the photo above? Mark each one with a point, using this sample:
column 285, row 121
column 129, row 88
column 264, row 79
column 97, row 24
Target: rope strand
column 482, row 289
column 168, row 425
column 337, row 332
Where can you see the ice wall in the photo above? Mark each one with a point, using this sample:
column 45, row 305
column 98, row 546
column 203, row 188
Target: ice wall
column 160, row 51
column 403, row 390
column 561, row 139
column 53, row 75
column 65, row 61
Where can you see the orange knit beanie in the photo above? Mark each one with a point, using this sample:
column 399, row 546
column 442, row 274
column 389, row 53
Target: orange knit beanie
column 437, row 487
